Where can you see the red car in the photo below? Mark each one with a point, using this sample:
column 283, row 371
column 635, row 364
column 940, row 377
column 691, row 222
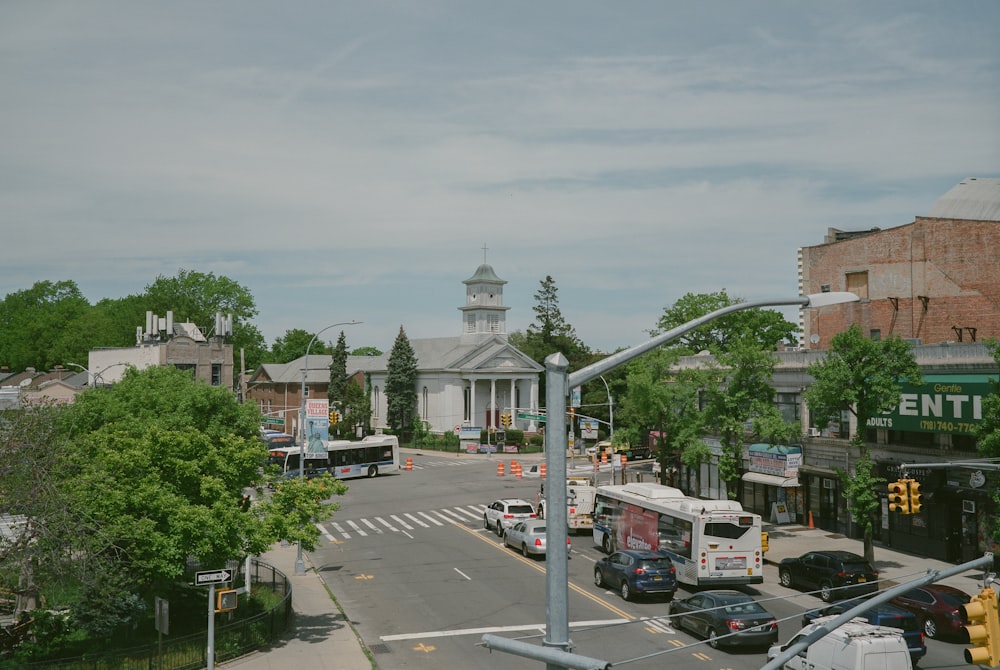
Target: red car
column 938, row 607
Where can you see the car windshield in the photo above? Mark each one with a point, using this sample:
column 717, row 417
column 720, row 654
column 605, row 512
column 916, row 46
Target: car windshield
column 536, row 530
column 663, row 563
column 520, row 509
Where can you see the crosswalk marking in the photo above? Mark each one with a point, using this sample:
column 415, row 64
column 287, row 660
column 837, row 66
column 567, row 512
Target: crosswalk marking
column 395, row 523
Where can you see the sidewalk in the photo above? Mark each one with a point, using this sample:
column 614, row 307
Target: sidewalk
column 319, row 636
column 791, row 540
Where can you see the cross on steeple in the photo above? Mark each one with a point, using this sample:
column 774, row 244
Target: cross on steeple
column 484, row 252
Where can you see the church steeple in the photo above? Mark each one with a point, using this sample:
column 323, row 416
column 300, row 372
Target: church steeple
column 484, row 313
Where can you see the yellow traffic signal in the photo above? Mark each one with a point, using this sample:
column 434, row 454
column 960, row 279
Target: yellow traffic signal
column 899, row 496
column 983, row 629
column 763, row 542
column 505, row 419
column 915, row 497
column 334, row 417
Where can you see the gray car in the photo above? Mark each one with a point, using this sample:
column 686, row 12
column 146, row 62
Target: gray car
column 528, row 537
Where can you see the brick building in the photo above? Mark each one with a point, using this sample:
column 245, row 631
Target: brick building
column 934, row 280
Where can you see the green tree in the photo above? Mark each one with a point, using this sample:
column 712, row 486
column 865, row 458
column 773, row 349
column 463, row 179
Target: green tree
column 34, row 321
column 366, row 351
column 743, row 394
column 400, row 385
column 861, row 376
column 293, row 344
column 765, row 327
column 336, row 392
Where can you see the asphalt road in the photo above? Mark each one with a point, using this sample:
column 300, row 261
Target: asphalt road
column 409, row 561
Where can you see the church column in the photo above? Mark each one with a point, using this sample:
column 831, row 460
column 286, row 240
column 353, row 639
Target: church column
column 493, row 403
column 513, row 401
column 472, row 400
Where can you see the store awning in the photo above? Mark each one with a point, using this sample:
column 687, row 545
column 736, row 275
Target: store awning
column 772, row 480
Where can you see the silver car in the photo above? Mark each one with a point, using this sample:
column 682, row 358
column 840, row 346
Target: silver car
column 529, row 537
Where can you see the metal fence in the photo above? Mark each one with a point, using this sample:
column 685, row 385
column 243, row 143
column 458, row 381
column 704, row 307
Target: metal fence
column 189, row 652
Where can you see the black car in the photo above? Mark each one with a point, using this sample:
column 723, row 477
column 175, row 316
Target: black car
column 835, row 574
column 882, row 614
column 634, row 572
column 726, row 618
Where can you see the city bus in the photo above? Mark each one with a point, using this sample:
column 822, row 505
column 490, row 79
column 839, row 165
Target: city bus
column 374, row 455
column 711, row 542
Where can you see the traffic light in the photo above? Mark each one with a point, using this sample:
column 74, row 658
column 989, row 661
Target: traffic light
column 915, row 497
column 505, row 419
column 334, row 416
column 226, row 600
column 983, row 629
column 899, row 496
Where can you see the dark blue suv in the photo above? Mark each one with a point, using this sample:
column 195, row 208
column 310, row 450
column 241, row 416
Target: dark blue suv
column 883, row 614
column 636, row 572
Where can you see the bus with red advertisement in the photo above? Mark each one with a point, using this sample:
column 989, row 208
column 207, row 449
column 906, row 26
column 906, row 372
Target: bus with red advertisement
column 711, row 542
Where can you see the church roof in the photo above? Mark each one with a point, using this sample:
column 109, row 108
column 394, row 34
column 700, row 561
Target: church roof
column 484, row 275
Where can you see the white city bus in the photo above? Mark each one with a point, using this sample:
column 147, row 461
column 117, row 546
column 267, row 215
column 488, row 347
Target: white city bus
column 372, row 456
column 711, row 542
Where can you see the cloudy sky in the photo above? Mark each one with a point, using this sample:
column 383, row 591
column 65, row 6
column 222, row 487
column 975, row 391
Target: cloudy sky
column 350, row 160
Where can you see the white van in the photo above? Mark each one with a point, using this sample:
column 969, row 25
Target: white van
column 856, row 645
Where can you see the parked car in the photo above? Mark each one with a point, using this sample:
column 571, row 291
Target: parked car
column 835, row 574
column 937, row 607
column 726, row 618
column 883, row 614
column 504, row 513
column 529, row 537
column 856, row 644
column 637, row 572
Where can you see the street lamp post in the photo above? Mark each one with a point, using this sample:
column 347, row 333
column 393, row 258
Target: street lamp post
column 94, row 376
column 611, row 411
column 300, row 564
column 557, row 384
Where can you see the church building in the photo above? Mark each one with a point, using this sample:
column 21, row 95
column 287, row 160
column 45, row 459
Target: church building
column 466, row 380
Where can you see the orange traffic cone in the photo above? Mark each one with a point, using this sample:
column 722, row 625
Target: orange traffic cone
column 811, row 520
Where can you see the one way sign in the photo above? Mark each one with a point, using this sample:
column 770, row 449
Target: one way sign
column 212, row 577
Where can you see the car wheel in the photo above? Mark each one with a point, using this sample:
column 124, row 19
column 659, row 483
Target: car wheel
column 785, row 578
column 606, row 543
column 825, row 592
column 524, row 550
column 500, row 529
column 713, row 639
column 598, row 578
column 486, row 522
column 541, row 511
column 930, row 628
column 626, row 592
column 372, row 470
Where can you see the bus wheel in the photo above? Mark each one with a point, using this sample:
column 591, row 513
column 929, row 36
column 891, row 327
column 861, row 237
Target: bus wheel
column 372, row 470
column 606, row 543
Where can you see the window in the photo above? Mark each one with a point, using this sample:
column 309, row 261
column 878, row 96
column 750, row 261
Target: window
column 788, row 405
column 470, row 323
column 494, row 323
column 857, row 283
column 875, row 334
column 216, row 374
column 424, row 403
column 467, row 399
column 375, row 403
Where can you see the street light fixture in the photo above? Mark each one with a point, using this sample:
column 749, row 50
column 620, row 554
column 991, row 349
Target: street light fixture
column 94, row 376
column 300, row 564
column 557, row 384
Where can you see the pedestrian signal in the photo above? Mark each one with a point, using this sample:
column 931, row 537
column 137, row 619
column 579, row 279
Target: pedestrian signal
column 915, row 497
column 899, row 496
column 226, row 600
column 983, row 628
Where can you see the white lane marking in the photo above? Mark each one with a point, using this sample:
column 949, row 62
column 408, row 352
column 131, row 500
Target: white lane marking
column 463, row 574
column 340, row 529
column 356, row 527
column 416, row 520
column 495, row 629
column 326, row 533
column 430, row 518
column 401, row 522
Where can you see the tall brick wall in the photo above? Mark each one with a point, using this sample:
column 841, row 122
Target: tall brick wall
column 925, row 280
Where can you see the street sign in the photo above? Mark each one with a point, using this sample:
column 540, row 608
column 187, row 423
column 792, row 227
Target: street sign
column 212, row 577
column 273, row 420
column 530, row 417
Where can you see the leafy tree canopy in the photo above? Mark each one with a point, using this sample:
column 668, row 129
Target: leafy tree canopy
column 764, row 327
column 33, row 323
column 293, row 344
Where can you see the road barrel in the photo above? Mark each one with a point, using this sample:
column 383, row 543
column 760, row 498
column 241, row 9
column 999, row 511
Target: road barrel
column 500, row 469
column 409, row 463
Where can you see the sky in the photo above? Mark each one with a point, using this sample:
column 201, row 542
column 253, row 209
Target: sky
column 350, row 161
